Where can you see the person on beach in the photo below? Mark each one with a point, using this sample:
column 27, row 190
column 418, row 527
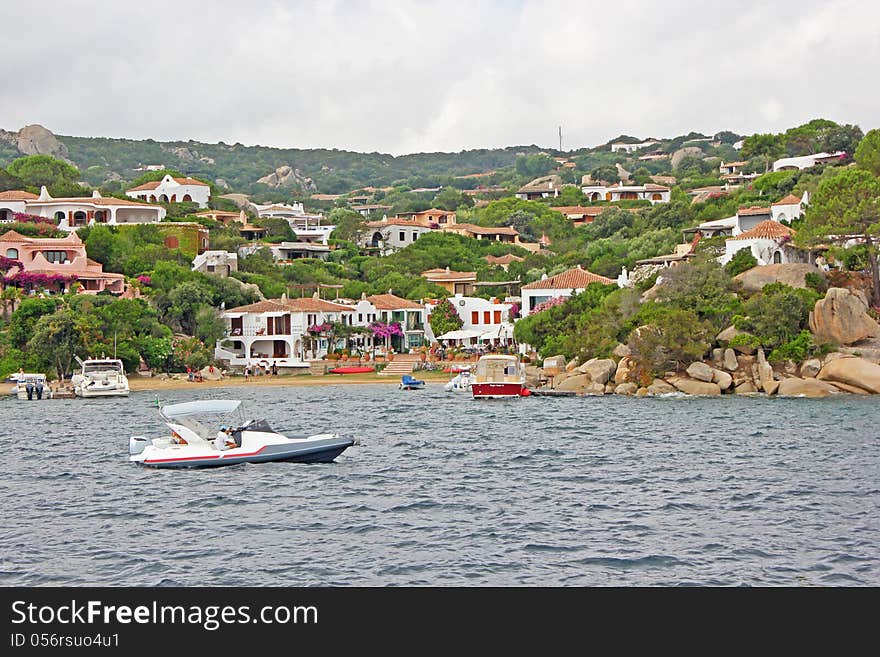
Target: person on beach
column 247, row 372
column 274, row 368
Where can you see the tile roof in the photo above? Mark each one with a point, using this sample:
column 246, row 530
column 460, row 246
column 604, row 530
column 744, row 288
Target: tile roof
column 573, row 279
column 766, row 230
column 791, row 199
column 485, row 230
column 93, row 200
column 733, row 164
column 752, row 211
column 304, row 304
column 17, row 195
column 503, row 260
column 155, row 183
column 13, row 236
column 587, row 211
column 447, row 275
column 392, row 302
column 543, row 184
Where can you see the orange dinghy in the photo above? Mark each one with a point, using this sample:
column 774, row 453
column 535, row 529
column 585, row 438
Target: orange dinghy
column 352, row 370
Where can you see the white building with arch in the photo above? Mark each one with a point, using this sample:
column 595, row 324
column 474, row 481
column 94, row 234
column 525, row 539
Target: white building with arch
column 769, row 243
column 789, row 208
column 173, row 190
column 75, row 212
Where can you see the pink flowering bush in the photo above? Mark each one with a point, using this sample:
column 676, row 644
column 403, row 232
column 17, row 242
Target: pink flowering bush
column 144, row 280
column 550, row 303
column 8, row 263
column 24, row 218
column 320, row 328
column 33, row 281
column 383, row 330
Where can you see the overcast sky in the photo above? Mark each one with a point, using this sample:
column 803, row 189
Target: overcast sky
column 404, row 77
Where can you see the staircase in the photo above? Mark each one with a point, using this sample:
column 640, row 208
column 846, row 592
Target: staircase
column 402, row 364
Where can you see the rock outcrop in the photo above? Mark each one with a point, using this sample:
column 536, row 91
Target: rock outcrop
column 729, row 361
column 795, row 387
column 36, row 140
column 792, row 274
column 692, row 387
column 700, row 371
column 842, row 317
column 600, row 370
column 810, row 368
column 660, row 387
column 288, row 177
column 626, row 389
column 853, row 371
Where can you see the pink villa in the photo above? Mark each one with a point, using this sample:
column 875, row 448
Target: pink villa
column 54, row 263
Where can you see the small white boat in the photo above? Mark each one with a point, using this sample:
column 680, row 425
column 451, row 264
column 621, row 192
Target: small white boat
column 100, row 377
column 461, row 382
column 31, row 386
column 499, row 377
column 192, row 445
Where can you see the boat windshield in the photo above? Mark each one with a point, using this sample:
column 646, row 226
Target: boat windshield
column 90, row 367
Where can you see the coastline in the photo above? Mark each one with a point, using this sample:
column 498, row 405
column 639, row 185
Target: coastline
column 138, row 383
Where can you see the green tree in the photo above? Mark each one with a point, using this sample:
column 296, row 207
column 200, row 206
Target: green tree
column 186, row 300
column 535, row 166
column 59, row 337
column 674, row 339
column 742, row 260
column 607, row 173
column 846, row 205
column 444, row 318
column 38, row 170
column 777, row 314
column 348, row 223
column 702, row 287
column 867, row 154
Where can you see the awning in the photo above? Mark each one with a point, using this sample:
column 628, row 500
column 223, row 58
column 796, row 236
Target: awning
column 460, row 335
column 500, row 332
column 234, row 315
column 203, row 407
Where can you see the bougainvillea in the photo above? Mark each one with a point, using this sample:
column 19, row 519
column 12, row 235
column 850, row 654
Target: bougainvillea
column 320, row 328
column 383, row 330
column 24, row 218
column 35, row 280
column 8, row 263
column 144, row 280
column 550, row 303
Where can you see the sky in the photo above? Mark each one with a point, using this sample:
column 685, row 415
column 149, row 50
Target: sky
column 403, row 76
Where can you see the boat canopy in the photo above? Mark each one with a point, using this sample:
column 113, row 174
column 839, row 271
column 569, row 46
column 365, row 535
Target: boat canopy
column 203, row 407
column 461, row 334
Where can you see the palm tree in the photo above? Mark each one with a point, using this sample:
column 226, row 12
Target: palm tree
column 11, row 297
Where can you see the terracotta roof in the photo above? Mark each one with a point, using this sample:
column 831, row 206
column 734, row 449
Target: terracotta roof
column 503, row 260
column 155, row 183
column 573, row 279
column 305, row 304
column 93, row 200
column 766, row 230
column 485, row 230
column 396, row 222
column 752, row 211
column 542, row 184
column 733, row 164
column 13, row 236
column 588, row 211
column 447, row 275
column 17, row 195
column 392, row 302
column 791, row 199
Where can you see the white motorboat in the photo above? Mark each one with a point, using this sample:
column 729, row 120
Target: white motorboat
column 499, row 377
column 31, row 386
column 192, row 445
column 100, row 377
column 461, row 382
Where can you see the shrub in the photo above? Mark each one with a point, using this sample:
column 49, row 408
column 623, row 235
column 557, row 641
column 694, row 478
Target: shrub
column 742, row 260
column 816, row 282
column 674, row 339
column 797, row 349
column 777, row 314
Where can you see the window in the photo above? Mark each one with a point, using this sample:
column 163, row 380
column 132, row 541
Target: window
column 360, row 318
column 415, row 236
column 402, row 236
column 210, row 268
column 55, row 256
column 487, row 317
column 60, row 216
column 12, row 253
column 497, row 317
column 475, row 317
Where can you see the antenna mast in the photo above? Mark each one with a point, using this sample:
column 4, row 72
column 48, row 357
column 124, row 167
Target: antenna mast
column 560, row 139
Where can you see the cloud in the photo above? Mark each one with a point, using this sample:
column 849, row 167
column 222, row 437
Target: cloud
column 422, row 76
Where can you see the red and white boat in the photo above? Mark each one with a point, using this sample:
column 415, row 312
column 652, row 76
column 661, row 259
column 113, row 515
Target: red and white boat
column 499, row 377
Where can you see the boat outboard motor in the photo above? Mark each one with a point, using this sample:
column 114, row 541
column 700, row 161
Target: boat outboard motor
column 136, row 444
column 39, row 390
column 29, row 388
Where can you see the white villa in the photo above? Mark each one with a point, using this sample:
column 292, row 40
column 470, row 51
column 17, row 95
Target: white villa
column 390, row 235
column 389, row 308
column 278, row 330
column 482, row 319
column 744, row 220
column 789, row 208
column 285, row 252
column 769, row 242
column 563, row 285
column 544, row 187
column 307, row 227
column 221, row 263
column 632, row 148
column 617, row 192
column 75, row 212
column 173, row 190
column 807, row 161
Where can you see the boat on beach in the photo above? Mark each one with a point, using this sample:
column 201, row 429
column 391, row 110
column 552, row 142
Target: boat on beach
column 499, row 376
column 352, row 369
column 31, row 386
column 191, row 444
column 100, row 377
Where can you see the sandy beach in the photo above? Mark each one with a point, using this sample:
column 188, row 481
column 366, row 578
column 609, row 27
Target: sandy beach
column 138, row 383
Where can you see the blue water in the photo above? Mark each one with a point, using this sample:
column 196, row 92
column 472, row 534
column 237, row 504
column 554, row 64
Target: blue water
column 444, row 490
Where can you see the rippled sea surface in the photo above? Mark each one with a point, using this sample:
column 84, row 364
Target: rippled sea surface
column 445, row 490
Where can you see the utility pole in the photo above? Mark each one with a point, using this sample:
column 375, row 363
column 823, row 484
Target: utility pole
column 560, row 139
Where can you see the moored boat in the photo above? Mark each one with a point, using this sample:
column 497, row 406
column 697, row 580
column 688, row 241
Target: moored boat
column 408, row 382
column 352, row 369
column 461, row 382
column 100, row 377
column 499, row 376
column 191, row 444
column 31, row 386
